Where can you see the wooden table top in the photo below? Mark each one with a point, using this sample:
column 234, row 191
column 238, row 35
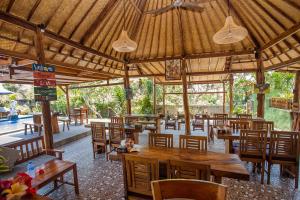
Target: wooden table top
column 52, row 169
column 225, row 165
column 107, row 122
column 142, row 115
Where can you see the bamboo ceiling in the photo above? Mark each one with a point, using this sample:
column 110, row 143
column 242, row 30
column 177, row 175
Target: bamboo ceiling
column 79, row 35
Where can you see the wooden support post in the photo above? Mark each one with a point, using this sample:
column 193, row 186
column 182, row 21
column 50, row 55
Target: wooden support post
column 260, row 79
column 185, row 99
column 296, row 91
column 46, row 112
column 164, row 100
column 68, row 100
column 154, row 96
column 127, row 86
column 231, row 95
column 295, row 110
column 224, row 98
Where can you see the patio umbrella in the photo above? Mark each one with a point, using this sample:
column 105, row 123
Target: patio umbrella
column 4, row 91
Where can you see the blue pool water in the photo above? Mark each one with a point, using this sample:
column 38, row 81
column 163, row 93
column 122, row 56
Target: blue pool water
column 8, row 126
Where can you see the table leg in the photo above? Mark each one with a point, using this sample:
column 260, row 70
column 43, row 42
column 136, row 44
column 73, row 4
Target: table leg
column 68, row 126
column 31, row 129
column 25, row 129
column 228, row 146
column 218, row 179
column 75, row 179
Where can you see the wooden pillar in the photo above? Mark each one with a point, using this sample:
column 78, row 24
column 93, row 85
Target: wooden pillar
column 224, row 98
column 185, row 99
column 296, row 91
column 164, row 100
column 127, row 86
column 154, row 96
column 46, row 112
column 295, row 109
column 68, row 100
column 231, row 95
column 260, row 79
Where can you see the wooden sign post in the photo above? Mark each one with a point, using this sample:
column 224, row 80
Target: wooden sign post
column 48, row 137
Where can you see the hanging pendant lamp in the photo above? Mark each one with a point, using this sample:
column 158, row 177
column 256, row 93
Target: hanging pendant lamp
column 124, row 43
column 231, row 32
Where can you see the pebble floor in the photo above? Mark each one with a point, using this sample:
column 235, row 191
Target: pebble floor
column 99, row 179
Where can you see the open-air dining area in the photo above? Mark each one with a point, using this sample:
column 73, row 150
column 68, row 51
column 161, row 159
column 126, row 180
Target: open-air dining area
column 149, row 99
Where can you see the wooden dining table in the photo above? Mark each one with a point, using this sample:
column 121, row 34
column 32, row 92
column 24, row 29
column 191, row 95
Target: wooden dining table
column 221, row 164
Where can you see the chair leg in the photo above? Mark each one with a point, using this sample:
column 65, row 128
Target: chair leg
column 31, row 129
column 297, row 177
column 68, row 126
column 94, row 151
column 269, row 173
column 25, row 129
column 64, row 126
column 262, row 172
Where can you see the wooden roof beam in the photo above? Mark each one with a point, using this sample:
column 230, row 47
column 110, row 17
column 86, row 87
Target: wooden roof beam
column 30, row 26
column 284, row 64
column 195, row 56
column 200, row 73
column 90, row 31
column 252, row 37
column 57, row 63
column 282, row 36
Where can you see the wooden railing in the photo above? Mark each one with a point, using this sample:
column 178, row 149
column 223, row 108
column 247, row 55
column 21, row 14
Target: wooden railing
column 281, row 103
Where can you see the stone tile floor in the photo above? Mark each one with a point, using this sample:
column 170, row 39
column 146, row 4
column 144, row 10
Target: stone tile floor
column 99, row 179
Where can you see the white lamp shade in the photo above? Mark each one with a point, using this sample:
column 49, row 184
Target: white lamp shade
column 124, row 43
column 230, row 33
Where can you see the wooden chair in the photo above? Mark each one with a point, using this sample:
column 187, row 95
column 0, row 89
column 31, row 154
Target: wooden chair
column 188, row 189
column 138, row 173
column 188, row 170
column 221, row 120
column 117, row 120
column 239, row 125
column 244, row 116
column 116, row 135
column 253, row 148
column 98, row 137
column 170, row 123
column 198, row 123
column 160, row 140
column 263, row 125
column 193, row 142
column 284, row 150
column 75, row 115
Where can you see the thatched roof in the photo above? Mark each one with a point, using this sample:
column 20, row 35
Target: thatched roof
column 79, row 35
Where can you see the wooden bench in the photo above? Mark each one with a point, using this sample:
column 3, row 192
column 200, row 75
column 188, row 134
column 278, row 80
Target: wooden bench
column 50, row 160
column 31, row 125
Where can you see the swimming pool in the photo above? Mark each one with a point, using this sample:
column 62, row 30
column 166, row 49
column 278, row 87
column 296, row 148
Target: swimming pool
column 8, row 126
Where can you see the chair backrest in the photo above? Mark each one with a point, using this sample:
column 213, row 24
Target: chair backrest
column 221, row 119
column 263, row 125
column 160, row 140
column 188, row 189
column 244, row 116
column 239, row 125
column 284, row 145
column 117, row 120
column 131, row 120
column 139, row 172
column 29, row 148
column 253, row 143
column 98, row 131
column 116, row 131
column 193, row 142
column 188, row 170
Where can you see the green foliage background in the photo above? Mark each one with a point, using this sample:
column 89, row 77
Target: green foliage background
column 104, row 101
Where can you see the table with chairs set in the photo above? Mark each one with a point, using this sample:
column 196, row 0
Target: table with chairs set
column 162, row 163
column 256, row 141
